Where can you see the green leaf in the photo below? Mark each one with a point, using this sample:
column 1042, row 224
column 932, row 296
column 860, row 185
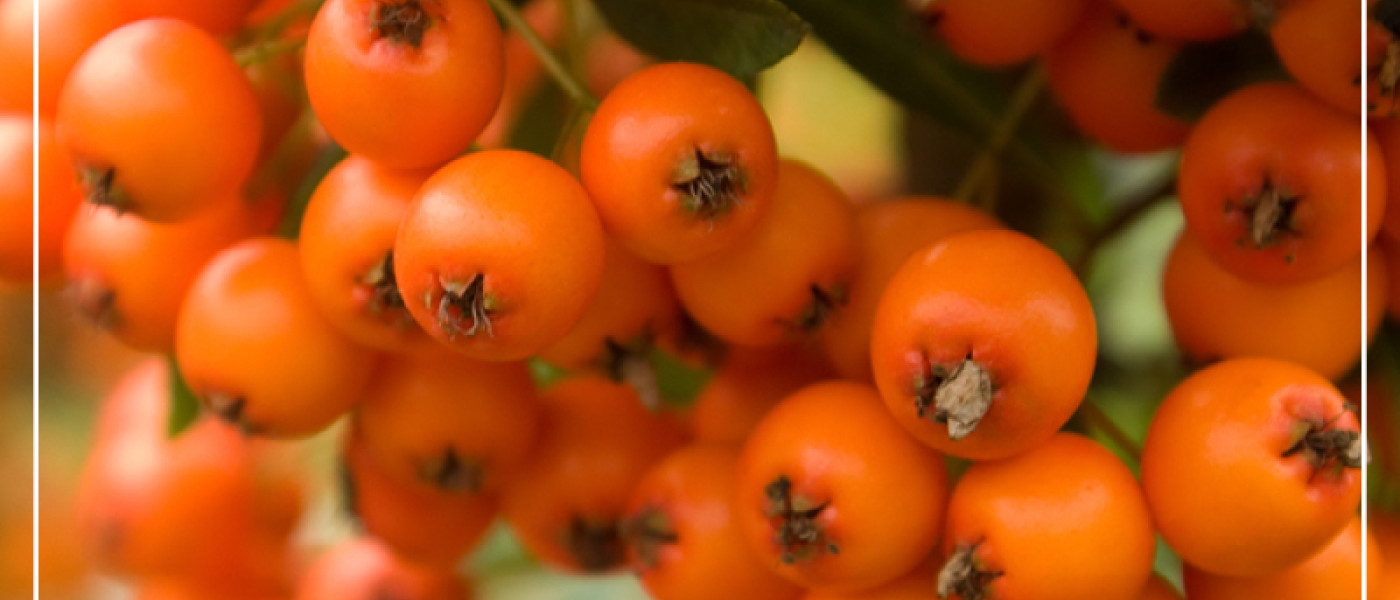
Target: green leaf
column 330, row 156
column 740, row 37
column 678, row 382
column 891, row 48
column 546, row 373
column 184, row 407
column 1202, row 74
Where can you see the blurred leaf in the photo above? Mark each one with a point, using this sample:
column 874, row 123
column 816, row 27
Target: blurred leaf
column 1202, row 74
column 883, row 42
column 1081, row 180
column 500, row 552
column 330, row 156
column 184, row 407
column 890, row 47
column 539, row 123
column 740, row 37
column 1167, row 564
column 548, row 584
column 1384, row 369
column 678, row 382
column 1387, row 12
column 1124, row 283
column 546, row 373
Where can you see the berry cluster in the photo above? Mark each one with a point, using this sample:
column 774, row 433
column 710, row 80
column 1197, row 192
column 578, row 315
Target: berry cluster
column 329, row 224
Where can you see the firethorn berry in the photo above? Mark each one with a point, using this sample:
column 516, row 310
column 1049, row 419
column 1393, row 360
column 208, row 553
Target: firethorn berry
column 1333, row 573
column 218, row 17
column 919, row 584
column 499, row 254
column 159, row 120
column 996, row 33
column 567, row 502
column 745, row 387
column 787, row 276
column 1065, row 520
column 890, row 232
column 129, row 276
column 406, row 83
column 17, row 56
column 680, row 160
column 682, row 540
column 1387, row 133
column 833, row 496
column 1192, row 20
column 1105, row 73
column 365, row 569
column 1385, row 529
column 634, row 310
column 420, row 524
column 608, row 60
column 195, row 505
column 1273, row 455
column 448, row 422
column 1376, row 566
column 69, row 28
column 59, row 200
column 1215, row 315
column 983, row 344
column 135, row 404
column 181, row 589
column 256, row 351
column 16, row 199
column 1316, row 40
column 1271, row 182
column 347, row 253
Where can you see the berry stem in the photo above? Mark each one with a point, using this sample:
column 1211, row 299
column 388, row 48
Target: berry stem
column 1100, row 420
column 1022, row 99
column 799, row 533
column 552, row 64
column 647, row 533
column 957, row 396
column 962, row 576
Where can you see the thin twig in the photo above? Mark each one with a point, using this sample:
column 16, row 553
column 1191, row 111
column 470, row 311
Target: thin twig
column 552, row 64
column 1022, row 99
column 1101, row 421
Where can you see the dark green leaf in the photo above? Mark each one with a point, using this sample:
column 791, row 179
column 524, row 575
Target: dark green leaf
column 545, row 373
column 886, row 44
column 678, row 382
column 290, row 226
column 891, row 48
column 1202, row 74
column 1387, row 13
column 184, row 407
column 540, row 121
column 740, row 37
